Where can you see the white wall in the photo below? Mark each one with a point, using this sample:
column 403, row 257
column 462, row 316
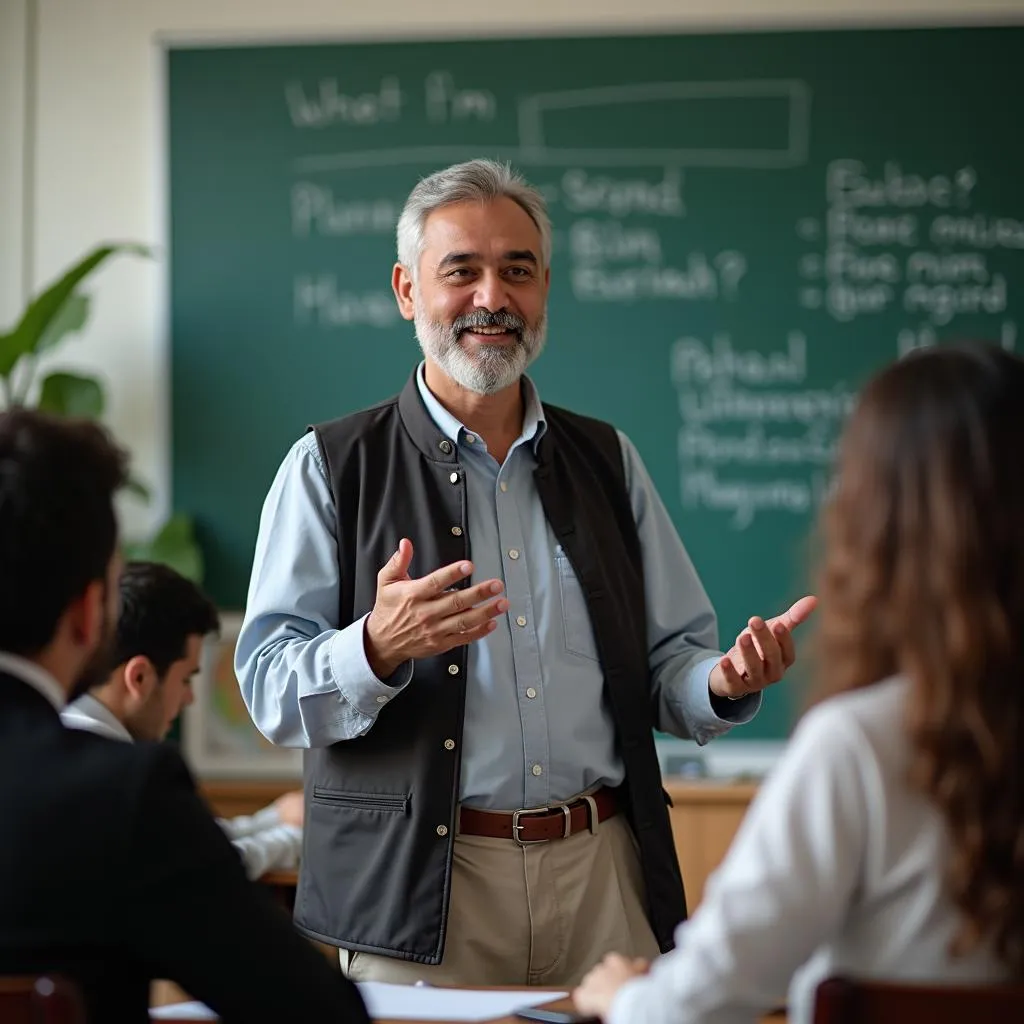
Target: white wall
column 12, row 134
column 98, row 159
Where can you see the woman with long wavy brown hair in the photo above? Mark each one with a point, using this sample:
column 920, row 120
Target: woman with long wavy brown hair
column 889, row 840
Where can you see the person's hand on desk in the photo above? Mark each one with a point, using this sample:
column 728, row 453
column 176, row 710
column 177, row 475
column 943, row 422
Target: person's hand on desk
column 599, row 986
column 290, row 808
column 762, row 653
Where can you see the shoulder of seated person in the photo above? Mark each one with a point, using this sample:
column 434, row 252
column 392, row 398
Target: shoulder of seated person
column 132, row 765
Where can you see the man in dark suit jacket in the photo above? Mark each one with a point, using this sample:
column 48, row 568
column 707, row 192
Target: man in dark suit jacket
column 112, row 870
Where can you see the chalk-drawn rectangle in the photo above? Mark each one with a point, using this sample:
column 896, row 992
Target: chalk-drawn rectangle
column 757, row 123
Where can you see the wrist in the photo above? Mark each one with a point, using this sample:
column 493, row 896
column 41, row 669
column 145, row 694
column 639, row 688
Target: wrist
column 380, row 661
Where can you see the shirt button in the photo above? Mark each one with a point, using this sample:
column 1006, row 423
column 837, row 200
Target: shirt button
column 449, row 744
column 471, row 438
column 453, row 670
column 503, row 485
column 382, row 699
column 531, row 692
column 456, row 531
column 520, row 620
column 442, row 830
column 513, row 553
column 454, row 478
column 537, row 770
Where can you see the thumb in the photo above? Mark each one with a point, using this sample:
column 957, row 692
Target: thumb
column 397, row 566
column 799, row 612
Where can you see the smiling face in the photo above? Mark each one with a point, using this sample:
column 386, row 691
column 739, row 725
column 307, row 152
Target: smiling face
column 480, row 295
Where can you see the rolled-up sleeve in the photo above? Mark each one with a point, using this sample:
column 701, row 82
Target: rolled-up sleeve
column 682, row 629
column 305, row 681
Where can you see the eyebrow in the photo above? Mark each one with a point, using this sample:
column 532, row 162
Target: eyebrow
column 512, row 256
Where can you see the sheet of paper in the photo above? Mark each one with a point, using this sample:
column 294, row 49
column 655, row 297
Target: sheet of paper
column 182, row 1011
column 407, row 1002
column 420, row 1002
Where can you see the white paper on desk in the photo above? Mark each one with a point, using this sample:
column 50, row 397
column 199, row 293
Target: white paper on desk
column 182, row 1011
column 406, row 1002
column 420, row 1002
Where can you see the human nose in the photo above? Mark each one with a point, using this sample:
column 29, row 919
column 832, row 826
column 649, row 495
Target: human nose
column 491, row 293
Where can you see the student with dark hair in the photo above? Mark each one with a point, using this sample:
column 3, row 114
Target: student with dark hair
column 114, row 872
column 156, row 652
column 888, row 842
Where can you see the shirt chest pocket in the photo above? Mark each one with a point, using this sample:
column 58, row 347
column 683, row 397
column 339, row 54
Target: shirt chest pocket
column 579, row 634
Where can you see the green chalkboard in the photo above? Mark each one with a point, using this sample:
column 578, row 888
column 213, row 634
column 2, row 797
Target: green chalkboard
column 745, row 226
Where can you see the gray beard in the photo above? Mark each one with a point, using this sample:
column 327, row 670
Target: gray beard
column 489, row 369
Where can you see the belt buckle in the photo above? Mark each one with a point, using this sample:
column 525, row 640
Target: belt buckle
column 540, row 810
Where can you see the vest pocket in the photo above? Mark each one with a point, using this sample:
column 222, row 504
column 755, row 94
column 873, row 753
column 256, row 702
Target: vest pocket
column 396, row 803
column 579, row 634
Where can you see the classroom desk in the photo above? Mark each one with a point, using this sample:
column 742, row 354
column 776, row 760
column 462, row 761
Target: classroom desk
column 560, row 1004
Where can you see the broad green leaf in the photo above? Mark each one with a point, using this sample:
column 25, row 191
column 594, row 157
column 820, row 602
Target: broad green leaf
column 174, row 545
column 70, row 317
column 67, row 394
column 44, row 308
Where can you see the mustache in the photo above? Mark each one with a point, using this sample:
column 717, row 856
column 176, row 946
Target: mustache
column 484, row 318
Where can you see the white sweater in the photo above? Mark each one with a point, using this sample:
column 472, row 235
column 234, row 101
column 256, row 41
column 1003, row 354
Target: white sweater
column 837, row 868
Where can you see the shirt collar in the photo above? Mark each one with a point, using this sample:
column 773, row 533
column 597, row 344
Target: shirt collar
column 95, row 712
column 534, row 424
column 35, row 675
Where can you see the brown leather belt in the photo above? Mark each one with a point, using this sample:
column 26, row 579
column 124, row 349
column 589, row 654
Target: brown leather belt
column 540, row 824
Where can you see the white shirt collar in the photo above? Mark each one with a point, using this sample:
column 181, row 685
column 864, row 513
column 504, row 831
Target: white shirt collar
column 93, row 715
column 35, row 675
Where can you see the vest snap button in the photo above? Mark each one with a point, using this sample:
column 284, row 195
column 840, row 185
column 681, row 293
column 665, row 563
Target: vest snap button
column 446, row 447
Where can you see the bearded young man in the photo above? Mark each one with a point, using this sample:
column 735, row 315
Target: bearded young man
column 472, row 610
column 114, row 872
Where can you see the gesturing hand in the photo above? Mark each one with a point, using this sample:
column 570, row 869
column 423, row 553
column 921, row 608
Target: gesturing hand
column 415, row 618
column 762, row 652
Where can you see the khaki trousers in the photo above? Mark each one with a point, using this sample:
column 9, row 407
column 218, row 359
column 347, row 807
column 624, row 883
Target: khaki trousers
column 532, row 915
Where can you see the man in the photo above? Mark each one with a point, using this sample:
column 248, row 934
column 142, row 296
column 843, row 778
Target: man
column 468, row 605
column 114, row 872
column 164, row 618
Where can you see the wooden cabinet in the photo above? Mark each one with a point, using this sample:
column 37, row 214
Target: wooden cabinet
column 705, row 816
column 228, row 798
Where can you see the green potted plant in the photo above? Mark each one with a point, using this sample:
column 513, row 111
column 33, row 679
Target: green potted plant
column 58, row 311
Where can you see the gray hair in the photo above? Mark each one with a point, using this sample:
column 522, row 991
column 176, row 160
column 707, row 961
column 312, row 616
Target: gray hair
column 481, row 181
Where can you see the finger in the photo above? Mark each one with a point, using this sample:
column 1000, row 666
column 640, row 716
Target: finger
column 396, row 568
column 768, row 648
column 753, row 668
column 786, row 645
column 473, row 618
column 733, row 681
column 469, row 636
column 797, row 613
column 447, row 576
column 456, row 601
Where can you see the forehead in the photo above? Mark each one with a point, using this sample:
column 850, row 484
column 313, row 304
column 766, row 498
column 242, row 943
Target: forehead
column 193, row 650
column 482, row 228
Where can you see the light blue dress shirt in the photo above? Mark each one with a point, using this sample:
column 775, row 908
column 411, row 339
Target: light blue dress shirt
column 538, row 729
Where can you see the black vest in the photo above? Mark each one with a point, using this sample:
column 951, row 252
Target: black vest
column 381, row 809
